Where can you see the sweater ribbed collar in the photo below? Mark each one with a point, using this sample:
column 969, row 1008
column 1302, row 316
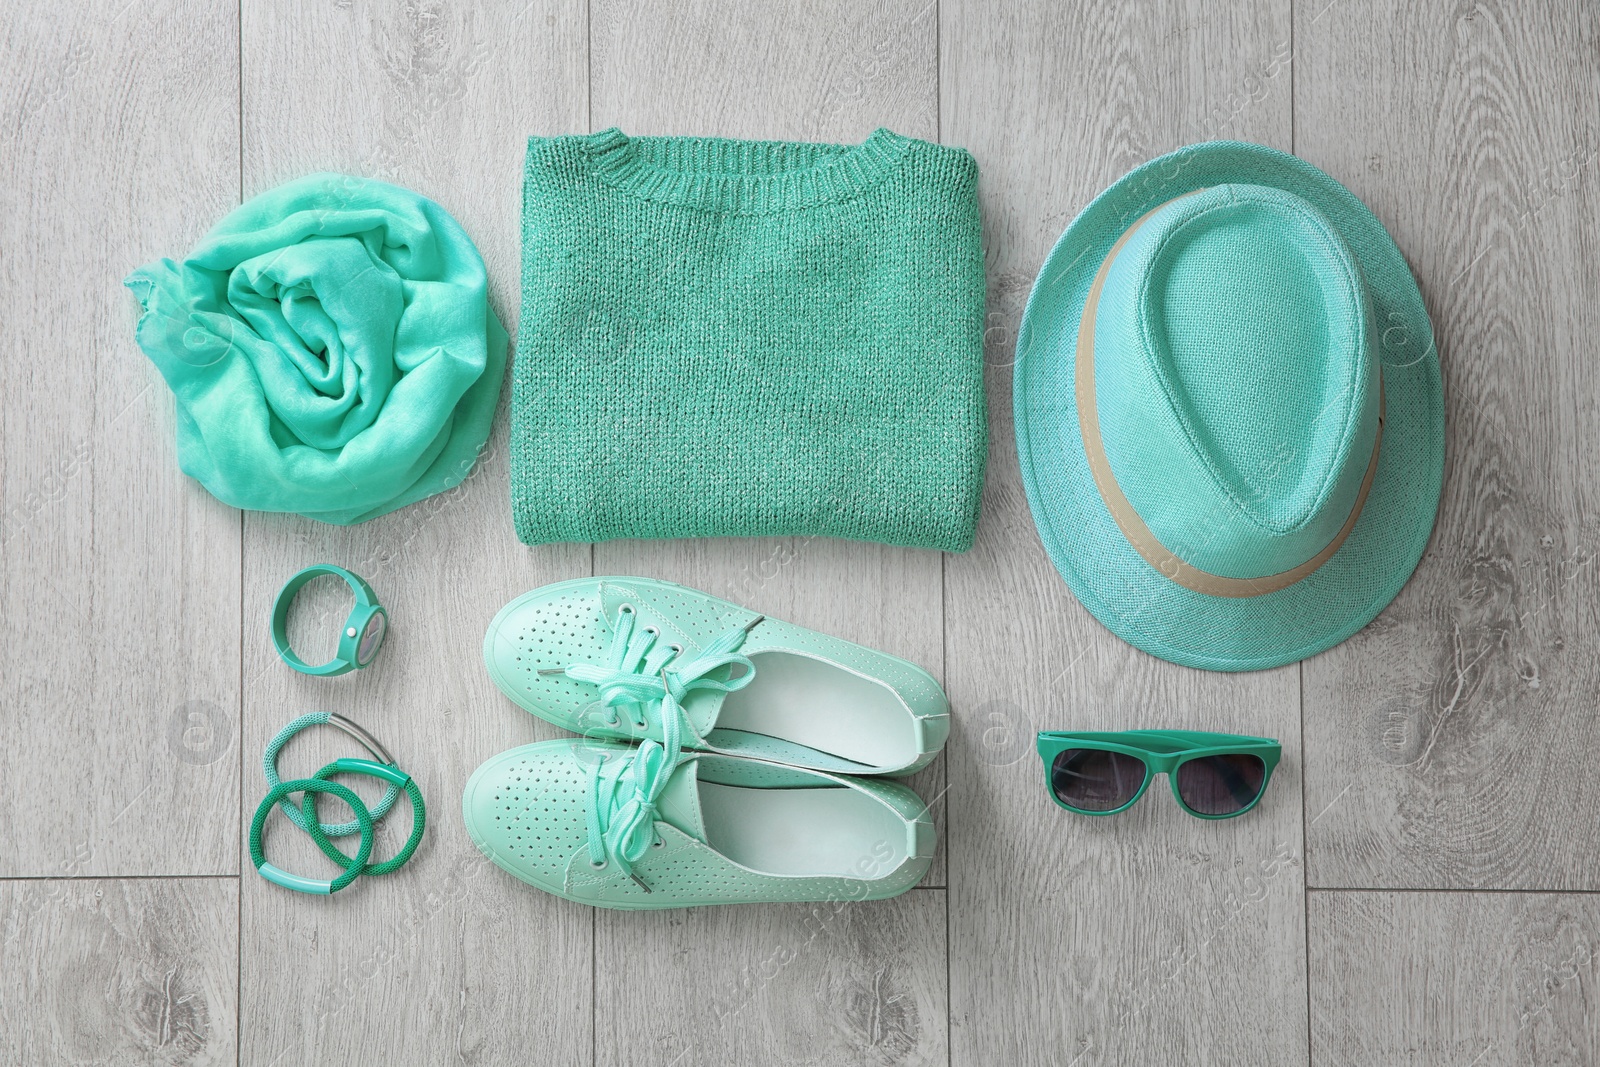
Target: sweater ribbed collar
column 742, row 177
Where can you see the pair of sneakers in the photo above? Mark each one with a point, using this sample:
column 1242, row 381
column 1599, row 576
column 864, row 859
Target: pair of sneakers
column 725, row 757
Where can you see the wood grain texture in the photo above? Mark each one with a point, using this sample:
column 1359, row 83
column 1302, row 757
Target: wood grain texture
column 1447, row 747
column 1486, row 979
column 823, row 71
column 1099, row 941
column 1450, row 744
column 120, row 577
column 829, row 983
column 446, row 960
column 118, row 971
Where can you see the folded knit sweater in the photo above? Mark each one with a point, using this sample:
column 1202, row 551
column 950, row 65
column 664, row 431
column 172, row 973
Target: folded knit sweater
column 741, row 338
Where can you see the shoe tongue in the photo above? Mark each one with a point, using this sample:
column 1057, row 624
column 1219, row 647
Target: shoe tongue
column 679, row 802
column 702, row 706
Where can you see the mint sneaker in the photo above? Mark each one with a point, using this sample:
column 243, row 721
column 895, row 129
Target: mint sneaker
column 634, row 827
column 598, row 655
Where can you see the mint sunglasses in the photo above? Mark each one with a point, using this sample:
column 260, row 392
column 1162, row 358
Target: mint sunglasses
column 1213, row 776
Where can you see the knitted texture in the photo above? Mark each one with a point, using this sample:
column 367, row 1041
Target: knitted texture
column 745, row 338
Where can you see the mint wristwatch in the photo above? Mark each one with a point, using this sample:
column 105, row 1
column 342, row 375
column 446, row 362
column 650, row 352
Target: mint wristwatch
column 363, row 631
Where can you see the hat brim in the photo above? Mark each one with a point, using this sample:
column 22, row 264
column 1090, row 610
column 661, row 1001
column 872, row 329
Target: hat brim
column 1123, row 591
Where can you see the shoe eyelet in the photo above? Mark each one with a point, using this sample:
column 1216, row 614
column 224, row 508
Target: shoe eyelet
column 625, row 609
column 659, row 842
column 652, row 631
column 598, row 866
column 677, row 650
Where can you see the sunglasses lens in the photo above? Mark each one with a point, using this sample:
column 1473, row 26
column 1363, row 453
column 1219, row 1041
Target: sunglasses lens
column 1221, row 785
column 1093, row 780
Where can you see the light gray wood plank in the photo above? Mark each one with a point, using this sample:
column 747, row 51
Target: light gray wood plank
column 116, row 971
column 832, row 72
column 1450, row 744
column 119, row 691
column 1076, row 940
column 830, row 983
column 447, row 959
column 822, row 71
column 1445, row 747
column 1487, row 979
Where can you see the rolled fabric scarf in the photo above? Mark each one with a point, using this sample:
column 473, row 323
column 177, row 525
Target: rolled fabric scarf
column 331, row 349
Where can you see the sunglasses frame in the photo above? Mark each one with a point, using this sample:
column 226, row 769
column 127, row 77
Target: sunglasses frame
column 1162, row 752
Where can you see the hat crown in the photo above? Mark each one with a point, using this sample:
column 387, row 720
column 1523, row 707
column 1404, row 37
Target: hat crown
column 1235, row 382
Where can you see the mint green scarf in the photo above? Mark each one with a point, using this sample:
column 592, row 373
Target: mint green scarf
column 331, row 349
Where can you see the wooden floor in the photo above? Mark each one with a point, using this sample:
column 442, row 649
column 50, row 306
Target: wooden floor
column 1420, row 886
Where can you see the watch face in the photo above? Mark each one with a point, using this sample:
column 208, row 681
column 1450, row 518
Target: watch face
column 372, row 638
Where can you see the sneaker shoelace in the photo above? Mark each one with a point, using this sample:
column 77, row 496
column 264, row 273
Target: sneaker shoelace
column 639, row 672
column 623, row 792
column 641, row 677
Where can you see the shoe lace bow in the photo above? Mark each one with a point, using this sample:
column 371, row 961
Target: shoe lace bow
column 639, row 672
column 645, row 679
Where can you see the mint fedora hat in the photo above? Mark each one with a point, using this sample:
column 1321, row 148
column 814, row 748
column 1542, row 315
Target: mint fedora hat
column 1229, row 415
